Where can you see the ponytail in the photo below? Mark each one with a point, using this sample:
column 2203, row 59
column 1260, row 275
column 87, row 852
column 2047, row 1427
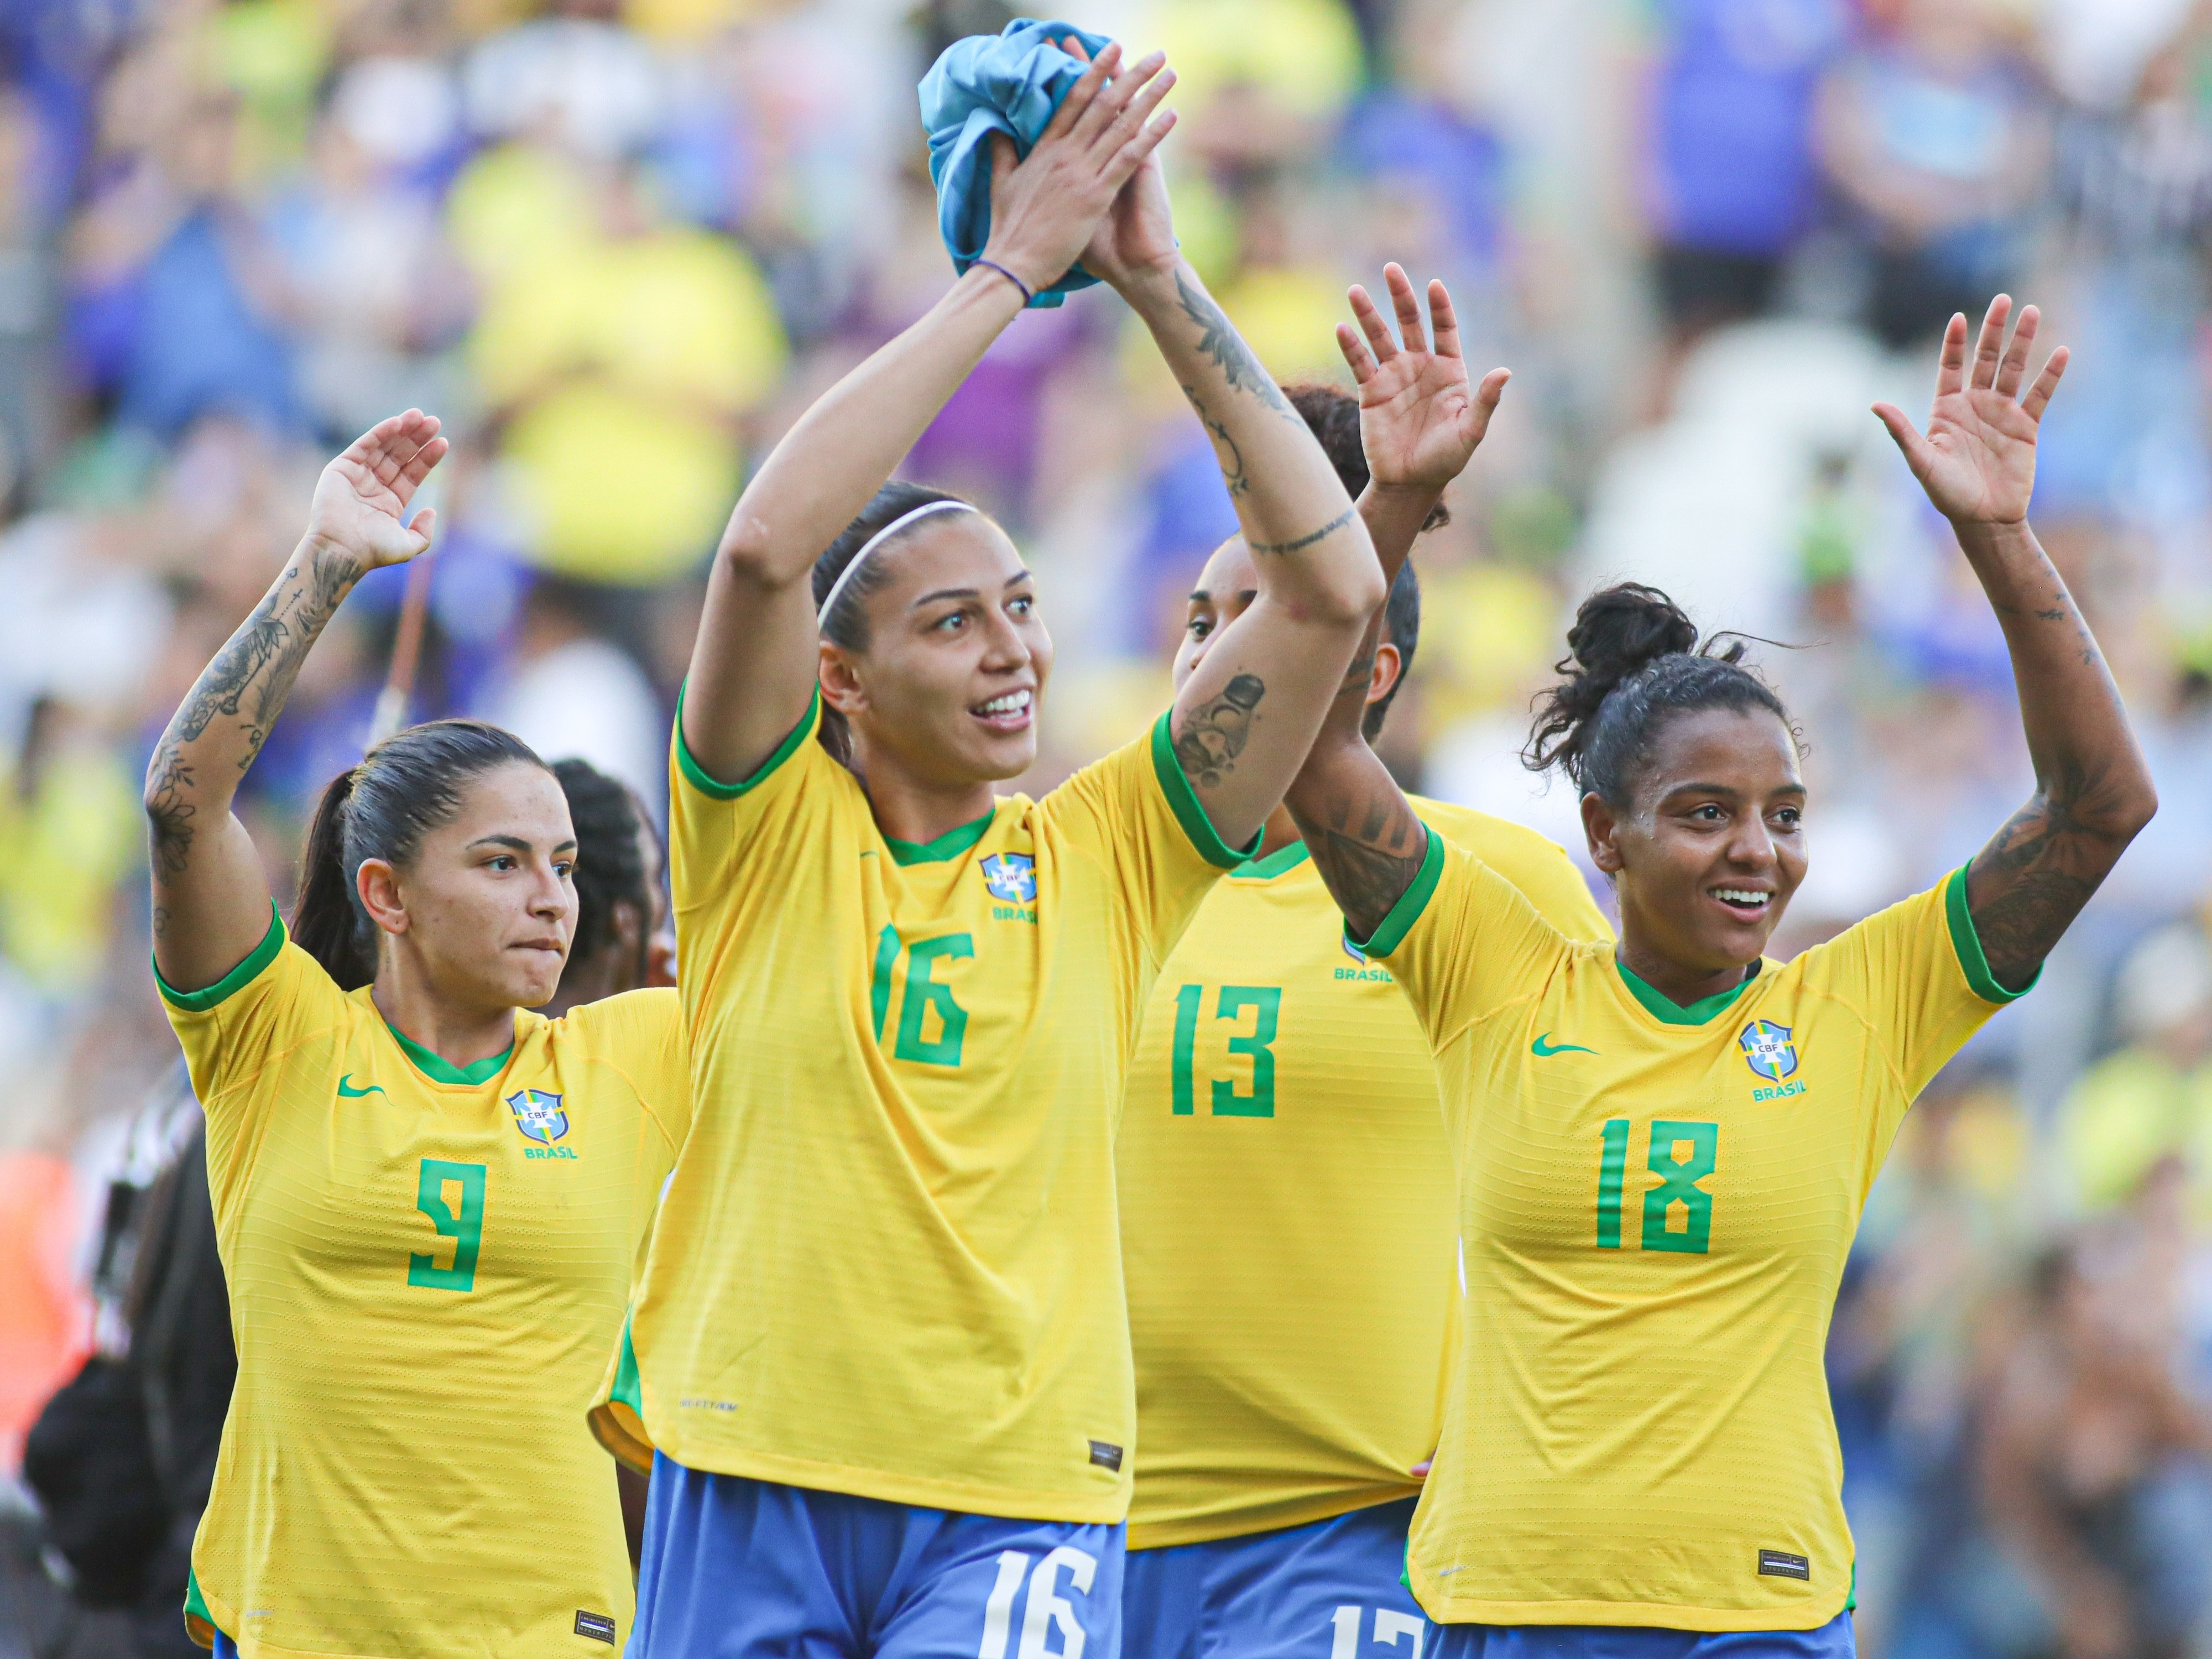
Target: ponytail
column 406, row 787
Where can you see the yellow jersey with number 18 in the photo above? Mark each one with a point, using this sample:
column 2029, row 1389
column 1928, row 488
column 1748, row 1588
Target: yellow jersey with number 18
column 1288, row 1217
column 887, row 1262
column 1656, row 1203
column 427, row 1266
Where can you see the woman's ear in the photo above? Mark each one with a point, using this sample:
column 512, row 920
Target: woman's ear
column 1388, row 665
column 1603, row 828
column 840, row 685
column 378, row 883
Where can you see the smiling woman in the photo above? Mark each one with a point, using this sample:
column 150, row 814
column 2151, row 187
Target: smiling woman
column 429, row 1200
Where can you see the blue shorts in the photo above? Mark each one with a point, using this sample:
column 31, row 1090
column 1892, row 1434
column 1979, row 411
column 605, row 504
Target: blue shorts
column 1325, row 1590
column 1832, row 1640
column 224, row 1647
column 738, row 1569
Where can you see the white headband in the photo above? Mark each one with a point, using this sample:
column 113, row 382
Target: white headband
column 838, row 587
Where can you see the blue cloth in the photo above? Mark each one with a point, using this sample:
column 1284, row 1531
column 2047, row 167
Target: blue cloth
column 1833, row 1640
column 738, row 1569
column 224, row 1647
column 1291, row 1594
column 1010, row 82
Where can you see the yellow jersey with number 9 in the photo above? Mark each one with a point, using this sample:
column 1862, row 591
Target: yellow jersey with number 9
column 1288, row 1217
column 887, row 1263
column 427, row 1268
column 1656, row 1203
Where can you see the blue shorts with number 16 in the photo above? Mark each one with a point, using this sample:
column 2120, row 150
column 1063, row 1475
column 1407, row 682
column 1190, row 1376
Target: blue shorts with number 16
column 738, row 1569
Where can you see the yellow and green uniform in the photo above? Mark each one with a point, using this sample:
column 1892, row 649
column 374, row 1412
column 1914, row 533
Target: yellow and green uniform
column 1288, row 1223
column 427, row 1268
column 887, row 1263
column 1655, row 1205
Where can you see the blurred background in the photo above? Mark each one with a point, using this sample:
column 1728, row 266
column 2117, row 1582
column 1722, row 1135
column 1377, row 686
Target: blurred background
column 617, row 244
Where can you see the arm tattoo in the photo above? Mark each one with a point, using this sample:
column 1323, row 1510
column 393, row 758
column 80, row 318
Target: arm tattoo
column 1368, row 867
column 2026, row 886
column 1230, row 456
column 1306, row 541
column 168, row 813
column 1219, row 340
column 1214, row 733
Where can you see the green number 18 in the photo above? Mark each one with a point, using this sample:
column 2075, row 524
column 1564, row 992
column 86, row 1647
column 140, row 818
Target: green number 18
column 463, row 1226
column 1678, row 1185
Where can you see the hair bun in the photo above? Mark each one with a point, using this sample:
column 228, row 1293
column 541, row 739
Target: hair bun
column 1618, row 631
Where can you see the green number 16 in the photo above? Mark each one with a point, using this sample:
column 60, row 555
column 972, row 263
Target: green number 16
column 465, row 1226
column 1677, row 1184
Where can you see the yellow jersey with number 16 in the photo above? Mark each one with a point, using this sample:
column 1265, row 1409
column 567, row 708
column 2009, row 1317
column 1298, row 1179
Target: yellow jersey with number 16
column 1287, row 1215
column 887, row 1263
column 1656, row 1203
column 427, row 1268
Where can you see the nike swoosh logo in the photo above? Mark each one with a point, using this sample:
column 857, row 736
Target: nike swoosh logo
column 1543, row 1048
column 349, row 1093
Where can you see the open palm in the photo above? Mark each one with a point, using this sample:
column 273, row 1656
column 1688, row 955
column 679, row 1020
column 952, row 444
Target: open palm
column 1976, row 460
column 1419, row 419
column 360, row 509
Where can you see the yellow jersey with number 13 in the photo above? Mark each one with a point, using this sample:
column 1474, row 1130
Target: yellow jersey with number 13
column 887, row 1263
column 1287, row 1214
column 427, row 1268
column 1656, row 1203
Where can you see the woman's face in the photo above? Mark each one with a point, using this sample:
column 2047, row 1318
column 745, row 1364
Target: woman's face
column 1706, row 861
column 956, row 658
column 488, row 906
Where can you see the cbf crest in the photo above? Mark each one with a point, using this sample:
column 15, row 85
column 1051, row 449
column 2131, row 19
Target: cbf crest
column 538, row 1115
column 1012, row 877
column 1768, row 1050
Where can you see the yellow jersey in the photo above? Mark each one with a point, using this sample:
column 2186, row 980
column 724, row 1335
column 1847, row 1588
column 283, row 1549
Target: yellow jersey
column 887, row 1262
column 427, row 1268
column 1288, row 1222
column 1654, row 1206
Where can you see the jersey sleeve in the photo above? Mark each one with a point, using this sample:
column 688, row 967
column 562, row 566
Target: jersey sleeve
column 1915, row 973
column 1136, row 813
column 1535, row 863
column 1464, row 942
column 714, row 827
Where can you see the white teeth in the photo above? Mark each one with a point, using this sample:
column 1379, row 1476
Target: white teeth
column 1739, row 896
column 1012, row 703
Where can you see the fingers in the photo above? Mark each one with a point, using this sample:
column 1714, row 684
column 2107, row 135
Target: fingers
column 1907, row 437
column 1407, row 305
column 1148, row 87
column 424, row 522
column 1372, row 325
column 428, row 456
column 2038, row 395
column 1079, row 95
column 1135, row 154
column 2015, row 365
column 1444, row 321
column 1486, row 395
column 1951, row 367
column 1114, row 97
column 1074, row 48
column 1990, row 343
column 1360, row 359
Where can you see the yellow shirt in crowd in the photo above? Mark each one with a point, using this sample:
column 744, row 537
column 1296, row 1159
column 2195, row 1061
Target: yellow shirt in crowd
column 427, row 1268
column 1288, row 1221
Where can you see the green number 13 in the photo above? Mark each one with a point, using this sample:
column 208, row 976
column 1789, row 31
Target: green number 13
column 465, row 1226
column 1678, row 1185
column 1265, row 1002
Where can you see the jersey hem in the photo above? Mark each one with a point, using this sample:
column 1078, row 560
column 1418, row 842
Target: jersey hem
column 919, row 1491
column 1182, row 798
column 707, row 784
column 1214, row 1530
column 1966, row 944
column 1390, row 932
column 199, row 1002
column 1641, row 1615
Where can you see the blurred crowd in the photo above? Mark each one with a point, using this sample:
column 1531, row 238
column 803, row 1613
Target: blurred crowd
column 617, row 244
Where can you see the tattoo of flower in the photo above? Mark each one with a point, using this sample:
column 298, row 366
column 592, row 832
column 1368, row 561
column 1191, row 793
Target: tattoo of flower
column 1215, row 733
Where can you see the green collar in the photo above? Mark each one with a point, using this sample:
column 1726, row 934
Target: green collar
column 439, row 1069
column 1665, row 1009
column 950, row 845
column 1280, row 862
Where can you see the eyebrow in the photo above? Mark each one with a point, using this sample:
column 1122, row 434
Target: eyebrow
column 517, row 844
column 1728, row 790
column 1018, row 576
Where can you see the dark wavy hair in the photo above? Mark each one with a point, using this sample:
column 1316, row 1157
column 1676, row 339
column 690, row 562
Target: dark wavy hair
column 610, row 863
column 1332, row 416
column 406, row 787
column 1633, row 663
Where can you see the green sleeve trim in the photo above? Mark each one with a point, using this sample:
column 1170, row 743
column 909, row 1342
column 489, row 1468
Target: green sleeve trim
column 1182, row 796
column 698, row 777
column 627, row 1390
column 1280, row 862
column 950, row 845
column 439, row 1069
column 199, row 1002
column 1410, row 902
column 199, row 1623
column 1968, row 944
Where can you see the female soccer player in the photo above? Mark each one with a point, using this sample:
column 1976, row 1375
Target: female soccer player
column 1287, row 1219
column 1662, row 1147
column 430, row 1202
column 881, row 1344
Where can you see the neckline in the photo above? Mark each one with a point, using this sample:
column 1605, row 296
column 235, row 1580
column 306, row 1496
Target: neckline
column 950, row 845
column 439, row 1069
column 1665, row 1009
column 1280, row 862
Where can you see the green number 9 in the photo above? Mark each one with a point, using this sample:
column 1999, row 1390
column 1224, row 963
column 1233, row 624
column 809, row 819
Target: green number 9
column 465, row 1229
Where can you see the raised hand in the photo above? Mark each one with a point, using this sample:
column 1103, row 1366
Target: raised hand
column 360, row 510
column 1977, row 461
column 1137, row 233
column 1419, row 421
column 1046, row 210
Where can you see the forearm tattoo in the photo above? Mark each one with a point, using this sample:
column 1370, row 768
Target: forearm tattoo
column 1231, row 459
column 1368, row 854
column 1305, row 541
column 1219, row 340
column 1215, row 733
